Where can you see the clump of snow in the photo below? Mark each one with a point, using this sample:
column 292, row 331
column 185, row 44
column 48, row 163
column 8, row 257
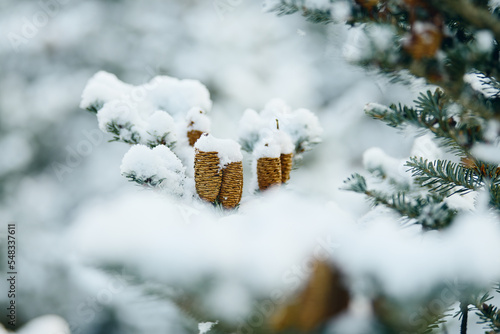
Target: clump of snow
column 454, row 110
column 357, row 45
column 249, row 128
column 120, row 115
column 494, row 4
column 382, row 36
column 47, row 324
column 304, row 129
column 484, row 40
column 198, row 120
column 228, row 150
column 148, row 114
column 160, row 125
column 316, row 4
column 420, row 262
column 492, row 131
column 425, row 147
column 375, row 159
column 229, row 299
column 178, row 96
column 280, row 138
column 103, row 87
column 341, row 11
column 481, row 84
column 267, row 147
column 301, row 125
column 285, row 142
column 157, row 166
column 486, row 152
column 462, row 202
column 402, row 262
column 369, row 107
column 269, row 4
column 205, row 327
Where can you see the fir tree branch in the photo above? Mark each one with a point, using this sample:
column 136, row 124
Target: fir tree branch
column 479, row 18
column 287, row 7
column 95, row 106
column 489, row 314
column 150, row 181
column 495, row 195
column 431, row 114
column 117, row 130
column 398, row 202
column 356, row 183
column 460, row 54
column 429, row 211
column 444, row 177
column 157, row 140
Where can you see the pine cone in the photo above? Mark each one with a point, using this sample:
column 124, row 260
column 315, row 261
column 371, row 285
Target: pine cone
column 323, row 298
column 425, row 42
column 232, row 185
column 193, row 136
column 207, row 175
column 268, row 172
column 286, row 166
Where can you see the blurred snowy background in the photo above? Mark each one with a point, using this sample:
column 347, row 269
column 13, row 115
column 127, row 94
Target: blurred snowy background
column 110, row 257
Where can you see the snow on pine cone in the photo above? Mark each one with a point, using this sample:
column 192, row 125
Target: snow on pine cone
column 274, row 155
column 267, row 152
column 197, row 124
column 219, row 170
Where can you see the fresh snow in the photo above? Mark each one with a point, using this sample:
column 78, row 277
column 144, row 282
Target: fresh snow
column 228, row 150
column 317, row 4
column 301, row 125
column 341, row 11
column 487, row 152
column 47, row 324
column 425, row 147
column 178, row 96
column 162, row 92
column 159, row 124
column 485, row 40
column 376, row 106
column 404, row 262
column 494, row 4
column 158, row 164
column 103, row 87
column 198, row 120
column 149, row 112
column 284, row 140
column 477, row 83
column 205, row 327
column 376, row 159
column 267, row 147
column 94, row 220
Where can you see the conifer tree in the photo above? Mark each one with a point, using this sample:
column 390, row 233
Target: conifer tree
column 453, row 45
